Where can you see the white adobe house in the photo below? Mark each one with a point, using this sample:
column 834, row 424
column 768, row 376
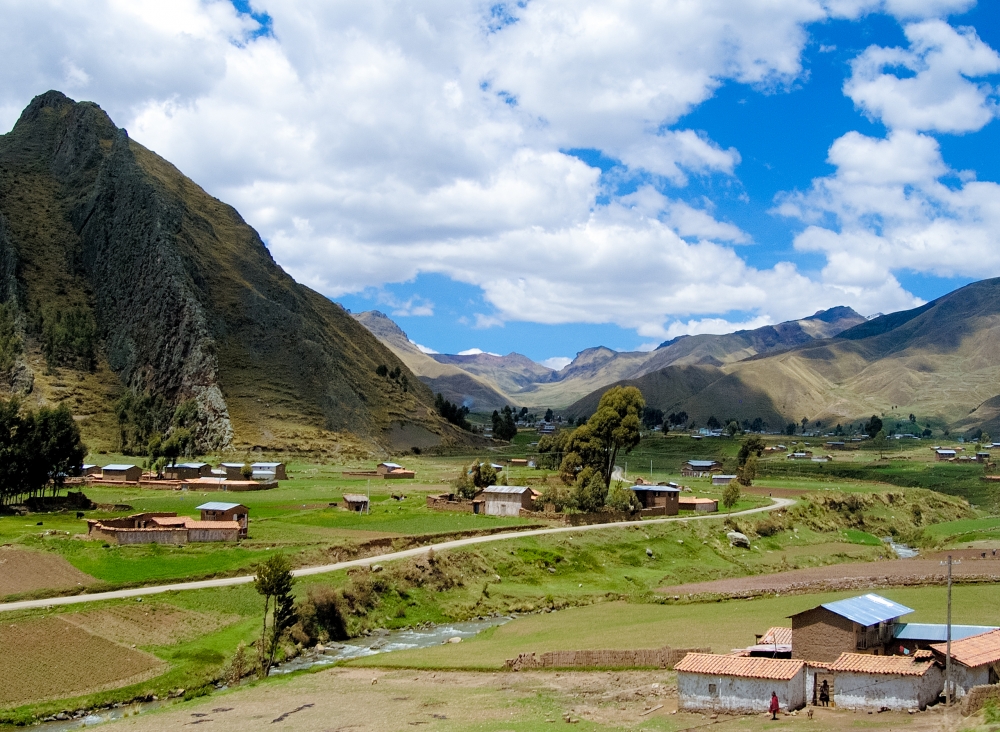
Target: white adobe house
column 974, row 661
column 709, row 682
column 870, row 683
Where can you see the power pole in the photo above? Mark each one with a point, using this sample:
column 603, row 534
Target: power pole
column 947, row 660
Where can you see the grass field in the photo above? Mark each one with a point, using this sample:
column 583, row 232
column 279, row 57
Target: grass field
column 721, row 626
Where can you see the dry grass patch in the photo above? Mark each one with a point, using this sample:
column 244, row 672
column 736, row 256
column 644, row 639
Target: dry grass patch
column 49, row 658
column 27, row 571
column 148, row 624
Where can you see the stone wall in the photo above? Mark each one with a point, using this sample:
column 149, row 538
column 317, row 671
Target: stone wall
column 976, row 697
column 664, row 657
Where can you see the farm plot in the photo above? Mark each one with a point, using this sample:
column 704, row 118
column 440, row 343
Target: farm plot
column 149, row 624
column 49, row 658
column 27, row 571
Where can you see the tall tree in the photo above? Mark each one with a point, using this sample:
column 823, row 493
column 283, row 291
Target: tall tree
column 274, row 582
column 615, row 427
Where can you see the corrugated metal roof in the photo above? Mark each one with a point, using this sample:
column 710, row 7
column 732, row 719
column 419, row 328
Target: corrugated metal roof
column 894, row 665
column 390, row 465
column 939, row 631
column 667, row 488
column 195, row 466
column 775, row 669
column 701, row 463
column 117, row 466
column 266, row 465
column 515, row 489
column 355, row 498
column 977, row 650
column 218, row 506
column 867, row 609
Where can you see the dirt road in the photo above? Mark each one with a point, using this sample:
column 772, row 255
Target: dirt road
column 862, row 575
column 778, row 503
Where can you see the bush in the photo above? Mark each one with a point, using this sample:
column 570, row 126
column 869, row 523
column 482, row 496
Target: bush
column 621, row 498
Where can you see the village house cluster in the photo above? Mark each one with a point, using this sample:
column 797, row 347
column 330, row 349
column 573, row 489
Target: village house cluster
column 853, row 654
column 227, row 476
column 219, row 521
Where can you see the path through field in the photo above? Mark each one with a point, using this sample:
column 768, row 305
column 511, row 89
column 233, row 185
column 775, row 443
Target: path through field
column 778, row 503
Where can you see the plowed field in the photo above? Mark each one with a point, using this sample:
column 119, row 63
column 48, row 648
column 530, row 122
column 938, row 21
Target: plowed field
column 864, row 575
column 24, row 571
column 49, row 658
column 148, row 624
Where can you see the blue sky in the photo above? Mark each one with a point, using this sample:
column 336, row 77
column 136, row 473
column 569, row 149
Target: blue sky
column 551, row 175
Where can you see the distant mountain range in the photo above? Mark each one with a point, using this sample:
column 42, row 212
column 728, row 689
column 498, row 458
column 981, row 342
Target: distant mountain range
column 517, row 380
column 118, row 273
column 939, row 362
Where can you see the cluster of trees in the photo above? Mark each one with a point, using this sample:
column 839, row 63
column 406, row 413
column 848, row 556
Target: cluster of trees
column 69, row 337
column 586, row 455
column 504, row 424
column 454, row 413
column 473, row 478
column 10, row 342
column 652, row 417
column 395, row 375
column 38, row 450
column 149, row 425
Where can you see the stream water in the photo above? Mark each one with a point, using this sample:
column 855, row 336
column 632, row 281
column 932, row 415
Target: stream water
column 902, row 550
column 382, row 641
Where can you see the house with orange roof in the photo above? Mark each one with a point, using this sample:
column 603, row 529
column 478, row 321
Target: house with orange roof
column 867, row 682
column 741, row 684
column 974, row 661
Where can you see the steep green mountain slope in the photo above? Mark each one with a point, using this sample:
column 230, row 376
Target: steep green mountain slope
column 453, row 383
column 122, row 274
column 940, row 362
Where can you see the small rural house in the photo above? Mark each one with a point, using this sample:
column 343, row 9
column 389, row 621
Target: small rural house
column 775, row 643
column 865, row 624
column 700, row 468
column 709, row 682
column 975, row 660
column 90, row 469
column 273, row 471
column 866, row 682
column 982, row 457
column 161, row 528
column 506, row 500
column 800, row 455
column 658, row 496
column 356, row 502
column 723, row 479
column 912, row 637
column 127, row 473
column 220, row 511
column 188, row 471
column 698, row 505
column 234, row 471
column 941, row 454
column 393, row 471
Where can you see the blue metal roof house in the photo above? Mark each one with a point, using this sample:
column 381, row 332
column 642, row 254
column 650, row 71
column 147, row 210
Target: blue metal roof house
column 863, row 624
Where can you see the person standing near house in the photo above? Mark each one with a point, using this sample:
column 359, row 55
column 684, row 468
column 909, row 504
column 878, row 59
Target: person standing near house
column 824, row 694
column 775, row 705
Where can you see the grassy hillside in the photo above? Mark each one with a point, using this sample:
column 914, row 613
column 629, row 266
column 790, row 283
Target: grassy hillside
column 163, row 289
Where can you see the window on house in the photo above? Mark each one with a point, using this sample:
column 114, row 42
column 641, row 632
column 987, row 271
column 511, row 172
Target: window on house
column 713, row 689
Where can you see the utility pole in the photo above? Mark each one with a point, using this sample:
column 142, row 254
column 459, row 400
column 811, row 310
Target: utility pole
column 947, row 660
column 368, row 503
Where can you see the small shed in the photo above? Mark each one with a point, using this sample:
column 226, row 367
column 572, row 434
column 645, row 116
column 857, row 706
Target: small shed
column 127, row 473
column 277, row 470
column 709, row 682
column 88, row 469
column 506, row 500
column 866, row 623
column 234, row 471
column 723, row 479
column 866, row 682
column 975, row 660
column 356, row 502
column 698, row 505
column 700, row 468
column 982, row 457
column 188, row 471
column 941, row 454
column 221, row 511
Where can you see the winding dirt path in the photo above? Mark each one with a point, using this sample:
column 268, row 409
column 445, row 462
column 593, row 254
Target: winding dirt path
column 778, row 503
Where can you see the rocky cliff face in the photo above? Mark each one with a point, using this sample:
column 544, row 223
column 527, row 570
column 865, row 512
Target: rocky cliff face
column 186, row 298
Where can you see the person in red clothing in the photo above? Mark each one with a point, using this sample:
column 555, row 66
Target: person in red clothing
column 775, row 706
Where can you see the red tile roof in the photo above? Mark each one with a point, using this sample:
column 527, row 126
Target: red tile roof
column 777, row 669
column 976, row 650
column 781, row 636
column 896, row 665
column 192, row 524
